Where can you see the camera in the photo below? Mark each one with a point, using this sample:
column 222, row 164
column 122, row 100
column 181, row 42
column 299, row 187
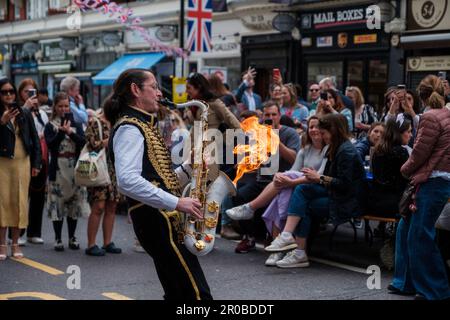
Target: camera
column 323, row 96
column 15, row 106
column 401, row 87
column 32, row 92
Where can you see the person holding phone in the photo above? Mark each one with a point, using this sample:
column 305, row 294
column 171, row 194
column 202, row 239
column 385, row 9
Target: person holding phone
column 71, row 86
column 20, row 159
column 65, row 139
column 331, row 102
column 28, row 98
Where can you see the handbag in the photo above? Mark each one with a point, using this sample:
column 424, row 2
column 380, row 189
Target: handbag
column 407, row 204
column 91, row 169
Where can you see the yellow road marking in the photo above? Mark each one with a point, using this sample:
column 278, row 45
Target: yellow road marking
column 39, row 295
column 39, row 266
column 115, row 296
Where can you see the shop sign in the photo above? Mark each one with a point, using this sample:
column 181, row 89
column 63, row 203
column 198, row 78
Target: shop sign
column 165, row 34
column 262, row 21
column 323, row 42
column 342, row 40
column 428, row 15
column 428, row 63
column 53, row 52
column 306, row 42
column 67, row 44
column 30, row 47
column 284, row 22
column 226, row 46
column 111, row 39
column 365, row 38
column 349, row 18
column 24, row 67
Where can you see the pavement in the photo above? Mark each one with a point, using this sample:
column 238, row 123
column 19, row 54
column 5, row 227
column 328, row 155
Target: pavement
column 339, row 274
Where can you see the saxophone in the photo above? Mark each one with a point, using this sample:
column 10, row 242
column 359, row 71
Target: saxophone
column 199, row 235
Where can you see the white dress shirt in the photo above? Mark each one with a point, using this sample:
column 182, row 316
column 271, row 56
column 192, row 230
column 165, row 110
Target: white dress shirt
column 128, row 147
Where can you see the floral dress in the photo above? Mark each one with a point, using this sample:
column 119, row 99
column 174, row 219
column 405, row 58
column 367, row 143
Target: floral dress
column 65, row 198
column 94, row 143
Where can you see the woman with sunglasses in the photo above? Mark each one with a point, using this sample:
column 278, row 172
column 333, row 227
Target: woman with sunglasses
column 20, row 158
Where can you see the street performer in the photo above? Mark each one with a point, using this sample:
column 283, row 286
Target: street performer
column 145, row 175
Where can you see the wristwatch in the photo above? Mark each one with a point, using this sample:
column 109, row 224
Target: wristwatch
column 322, row 179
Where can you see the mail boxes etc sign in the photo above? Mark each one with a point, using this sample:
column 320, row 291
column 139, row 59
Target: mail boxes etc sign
column 335, row 19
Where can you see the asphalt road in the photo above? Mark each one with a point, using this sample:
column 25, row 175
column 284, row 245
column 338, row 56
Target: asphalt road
column 231, row 276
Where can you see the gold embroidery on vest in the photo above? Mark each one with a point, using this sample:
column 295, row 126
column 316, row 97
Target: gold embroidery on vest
column 157, row 153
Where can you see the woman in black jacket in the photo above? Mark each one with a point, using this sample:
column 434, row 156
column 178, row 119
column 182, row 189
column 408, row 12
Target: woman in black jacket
column 20, row 158
column 333, row 195
column 64, row 138
column 388, row 183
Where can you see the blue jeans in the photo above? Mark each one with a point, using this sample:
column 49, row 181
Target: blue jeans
column 308, row 201
column 419, row 266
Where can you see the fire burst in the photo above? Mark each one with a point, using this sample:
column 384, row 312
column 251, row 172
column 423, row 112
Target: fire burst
column 263, row 143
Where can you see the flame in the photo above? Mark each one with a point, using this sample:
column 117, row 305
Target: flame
column 263, row 142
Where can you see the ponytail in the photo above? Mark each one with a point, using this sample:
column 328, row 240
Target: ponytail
column 436, row 101
column 112, row 109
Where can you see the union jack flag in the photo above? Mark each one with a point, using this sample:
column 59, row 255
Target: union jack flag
column 199, row 25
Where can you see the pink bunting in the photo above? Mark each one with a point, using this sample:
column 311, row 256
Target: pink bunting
column 125, row 16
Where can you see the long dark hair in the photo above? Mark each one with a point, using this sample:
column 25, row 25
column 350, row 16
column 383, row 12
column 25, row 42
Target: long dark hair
column 337, row 125
column 339, row 105
column 199, row 82
column 122, row 97
column 392, row 136
column 2, row 83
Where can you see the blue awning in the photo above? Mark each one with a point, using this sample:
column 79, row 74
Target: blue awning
column 127, row 61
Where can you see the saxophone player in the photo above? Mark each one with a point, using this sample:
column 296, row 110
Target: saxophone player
column 145, row 175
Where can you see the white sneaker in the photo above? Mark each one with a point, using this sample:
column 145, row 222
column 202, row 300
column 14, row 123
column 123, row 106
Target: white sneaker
column 291, row 260
column 280, row 244
column 138, row 248
column 243, row 212
column 36, row 240
column 22, row 242
column 273, row 258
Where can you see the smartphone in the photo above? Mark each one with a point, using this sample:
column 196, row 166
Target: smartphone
column 324, row 96
column 268, row 122
column 401, row 87
column 69, row 117
column 32, row 92
column 15, row 106
column 442, row 75
column 276, row 73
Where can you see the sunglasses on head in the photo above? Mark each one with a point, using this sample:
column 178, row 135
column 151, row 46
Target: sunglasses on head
column 6, row 92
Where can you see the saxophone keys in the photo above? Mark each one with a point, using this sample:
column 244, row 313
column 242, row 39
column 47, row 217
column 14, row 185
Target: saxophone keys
column 210, row 223
column 213, row 207
column 200, row 245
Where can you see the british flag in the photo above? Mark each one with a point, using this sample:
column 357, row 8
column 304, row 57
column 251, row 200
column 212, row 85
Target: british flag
column 199, row 25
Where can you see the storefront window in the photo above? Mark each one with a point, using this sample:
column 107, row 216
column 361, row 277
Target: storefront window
column 355, row 74
column 378, row 70
column 319, row 70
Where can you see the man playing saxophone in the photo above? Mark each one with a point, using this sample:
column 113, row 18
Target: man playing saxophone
column 144, row 174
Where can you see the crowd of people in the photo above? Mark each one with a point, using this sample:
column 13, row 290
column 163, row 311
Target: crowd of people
column 340, row 158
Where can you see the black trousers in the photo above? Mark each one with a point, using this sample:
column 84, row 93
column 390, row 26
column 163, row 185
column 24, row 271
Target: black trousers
column 178, row 270
column 247, row 190
column 35, row 211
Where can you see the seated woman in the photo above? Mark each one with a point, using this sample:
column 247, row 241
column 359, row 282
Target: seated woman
column 332, row 195
column 278, row 192
column 388, row 184
column 363, row 145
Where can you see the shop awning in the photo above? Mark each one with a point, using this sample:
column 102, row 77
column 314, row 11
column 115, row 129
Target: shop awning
column 425, row 40
column 128, row 61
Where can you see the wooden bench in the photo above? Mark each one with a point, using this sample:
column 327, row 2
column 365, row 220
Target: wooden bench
column 368, row 229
